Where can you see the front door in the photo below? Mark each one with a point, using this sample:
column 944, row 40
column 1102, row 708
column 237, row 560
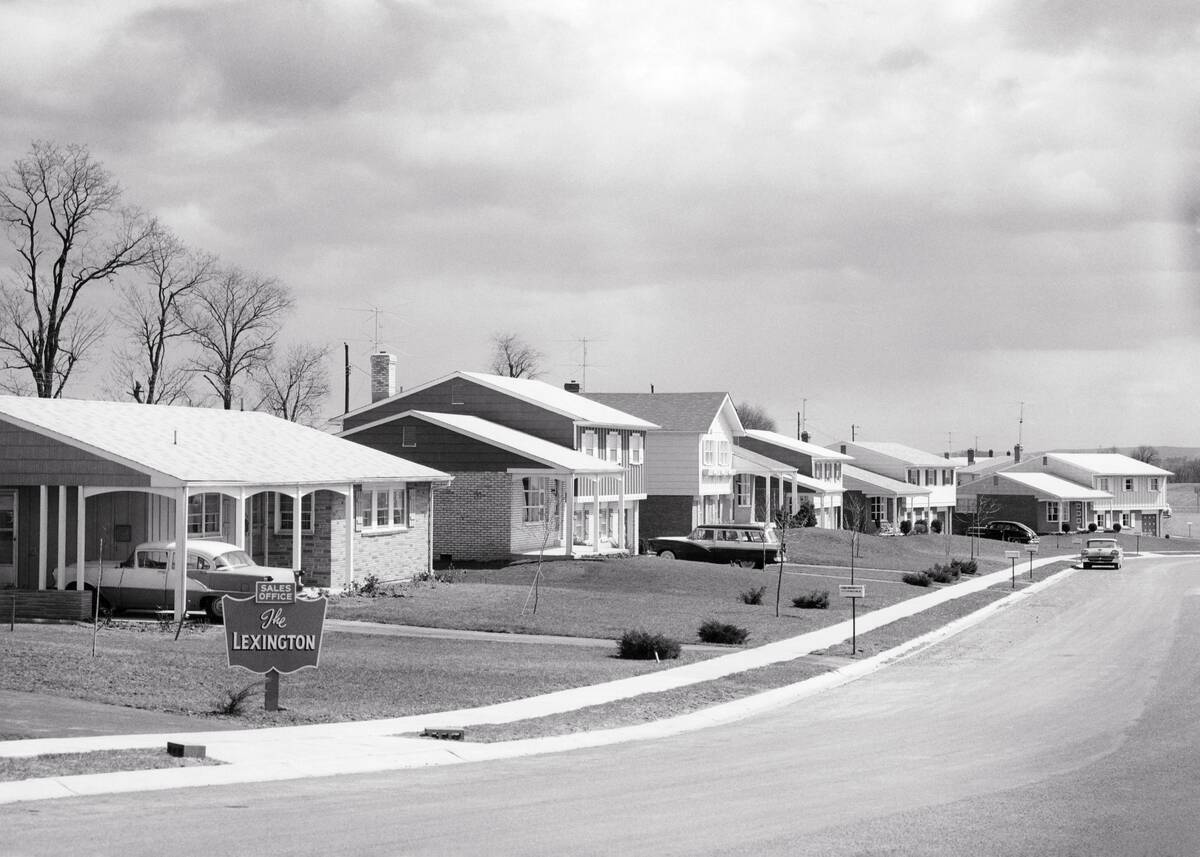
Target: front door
column 1149, row 524
column 8, row 539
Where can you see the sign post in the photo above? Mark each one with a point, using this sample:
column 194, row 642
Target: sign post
column 273, row 633
column 854, row 592
column 1032, row 550
column 1013, row 555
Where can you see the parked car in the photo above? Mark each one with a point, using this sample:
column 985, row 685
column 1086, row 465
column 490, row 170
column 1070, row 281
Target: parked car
column 147, row 579
column 1005, row 531
column 747, row 545
column 1101, row 552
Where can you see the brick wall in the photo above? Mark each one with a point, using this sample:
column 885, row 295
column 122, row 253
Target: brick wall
column 473, row 517
column 665, row 515
column 388, row 556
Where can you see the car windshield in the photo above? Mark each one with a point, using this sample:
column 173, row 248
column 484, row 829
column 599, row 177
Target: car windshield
column 1101, row 543
column 233, row 559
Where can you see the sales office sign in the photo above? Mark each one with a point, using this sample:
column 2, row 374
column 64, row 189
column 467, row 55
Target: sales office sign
column 274, row 630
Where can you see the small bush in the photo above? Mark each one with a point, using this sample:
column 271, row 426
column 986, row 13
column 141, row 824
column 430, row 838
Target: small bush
column 916, row 578
column 943, row 573
column 753, row 595
column 936, row 525
column 233, row 700
column 965, row 566
column 1066, row 528
column 905, row 527
column 713, row 631
column 814, row 599
column 1117, row 527
column 644, row 646
column 1092, row 527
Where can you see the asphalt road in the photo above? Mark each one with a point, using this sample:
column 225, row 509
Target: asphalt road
column 1067, row 725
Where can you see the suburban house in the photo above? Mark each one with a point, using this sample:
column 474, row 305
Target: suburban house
column 816, row 473
column 689, row 458
column 1042, row 501
column 899, row 483
column 538, row 468
column 1136, row 492
column 83, row 480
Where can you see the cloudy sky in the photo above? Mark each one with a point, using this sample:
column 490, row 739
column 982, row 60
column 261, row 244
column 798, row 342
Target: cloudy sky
column 914, row 216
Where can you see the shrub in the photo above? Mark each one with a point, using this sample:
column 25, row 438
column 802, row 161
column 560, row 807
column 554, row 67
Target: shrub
column 905, row 527
column 232, row 701
column 965, row 566
column 812, row 600
column 753, row 595
column 1066, row 528
column 713, row 631
column 943, row 573
column 916, row 578
column 936, row 525
column 1117, row 527
column 642, row 646
column 1092, row 527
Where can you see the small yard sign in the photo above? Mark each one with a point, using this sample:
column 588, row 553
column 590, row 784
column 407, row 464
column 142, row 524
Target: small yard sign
column 1012, row 554
column 852, row 590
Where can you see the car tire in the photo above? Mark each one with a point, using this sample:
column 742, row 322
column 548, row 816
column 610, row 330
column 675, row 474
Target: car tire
column 214, row 609
column 1087, row 565
column 745, row 563
column 667, row 554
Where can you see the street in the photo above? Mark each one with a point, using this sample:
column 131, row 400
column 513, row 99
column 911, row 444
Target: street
column 1065, row 725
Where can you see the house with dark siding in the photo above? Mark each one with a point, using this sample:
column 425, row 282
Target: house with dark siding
column 816, row 473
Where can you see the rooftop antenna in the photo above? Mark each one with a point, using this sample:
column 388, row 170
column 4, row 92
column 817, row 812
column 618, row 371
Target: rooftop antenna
column 1021, row 424
column 802, row 419
column 854, row 432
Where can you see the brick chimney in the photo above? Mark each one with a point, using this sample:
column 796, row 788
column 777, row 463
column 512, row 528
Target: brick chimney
column 804, row 436
column 383, row 376
column 572, row 386
column 970, row 457
column 1016, row 453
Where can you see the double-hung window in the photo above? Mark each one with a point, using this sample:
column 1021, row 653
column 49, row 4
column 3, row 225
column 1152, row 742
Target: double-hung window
column 876, row 509
column 725, row 452
column 1153, row 483
column 1102, row 483
column 709, row 452
column 1128, row 483
column 534, row 491
column 1052, row 512
column 931, row 477
column 204, row 515
column 408, row 436
column 637, row 448
column 745, row 489
column 612, row 447
column 914, row 476
column 283, row 512
column 947, row 477
column 382, row 510
column 588, row 443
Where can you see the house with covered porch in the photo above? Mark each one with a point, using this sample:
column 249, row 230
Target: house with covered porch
column 86, row 480
column 815, row 473
column 1042, row 501
column 879, row 464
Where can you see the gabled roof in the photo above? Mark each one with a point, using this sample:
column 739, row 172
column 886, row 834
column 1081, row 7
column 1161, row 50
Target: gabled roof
column 573, row 406
column 857, row 479
column 693, row 412
column 1048, row 485
column 1107, row 463
column 747, row 461
column 907, row 454
column 798, row 445
column 181, row 445
column 551, row 454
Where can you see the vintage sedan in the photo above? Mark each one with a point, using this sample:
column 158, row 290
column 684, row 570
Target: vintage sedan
column 1101, row 552
column 147, row 579
column 747, row 545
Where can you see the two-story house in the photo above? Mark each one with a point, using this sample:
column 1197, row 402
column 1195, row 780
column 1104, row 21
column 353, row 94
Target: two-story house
column 817, row 473
column 537, row 467
column 930, row 493
column 1137, row 492
column 690, row 468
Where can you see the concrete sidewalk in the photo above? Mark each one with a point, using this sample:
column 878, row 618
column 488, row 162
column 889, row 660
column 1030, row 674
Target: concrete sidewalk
column 290, row 752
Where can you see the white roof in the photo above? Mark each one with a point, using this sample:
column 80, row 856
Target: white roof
column 1108, row 463
column 179, row 445
column 857, row 479
column 907, row 454
column 551, row 454
column 792, row 443
column 747, row 461
column 560, row 401
column 1054, row 486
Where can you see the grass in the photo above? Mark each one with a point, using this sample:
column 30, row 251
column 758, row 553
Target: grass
column 98, row 762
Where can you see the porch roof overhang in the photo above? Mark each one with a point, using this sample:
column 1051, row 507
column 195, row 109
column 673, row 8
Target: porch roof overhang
column 747, row 462
column 816, row 486
column 1048, row 487
column 873, row 484
column 202, row 449
column 554, row 456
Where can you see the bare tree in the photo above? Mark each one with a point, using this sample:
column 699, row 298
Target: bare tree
column 1145, row 454
column 513, row 357
column 233, row 322
column 296, row 387
column 754, row 416
column 551, row 526
column 153, row 315
column 62, row 212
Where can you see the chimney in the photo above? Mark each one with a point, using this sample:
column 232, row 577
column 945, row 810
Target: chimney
column 383, row 376
column 843, row 449
column 946, row 455
column 1016, row 453
column 804, row 436
column 970, row 457
column 571, row 386
column 991, row 453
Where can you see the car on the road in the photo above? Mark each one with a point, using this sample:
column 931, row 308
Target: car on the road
column 1005, row 531
column 747, row 545
column 147, row 579
column 1101, row 552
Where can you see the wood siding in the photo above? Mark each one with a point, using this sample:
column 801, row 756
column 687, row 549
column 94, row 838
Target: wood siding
column 441, row 448
column 30, row 458
column 475, row 400
column 673, row 463
column 635, row 474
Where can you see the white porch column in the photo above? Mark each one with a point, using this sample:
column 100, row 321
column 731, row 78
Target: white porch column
column 297, row 517
column 796, row 496
column 181, row 503
column 60, row 558
column 80, row 542
column 239, row 515
column 350, row 512
column 621, row 511
column 43, row 533
column 596, row 515
column 637, row 526
column 568, row 521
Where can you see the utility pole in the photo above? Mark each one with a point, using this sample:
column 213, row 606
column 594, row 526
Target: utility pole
column 854, row 432
column 802, row 419
column 346, row 348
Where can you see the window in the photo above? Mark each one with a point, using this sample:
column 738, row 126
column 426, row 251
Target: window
column 283, row 512
column 612, row 445
column 383, row 510
column 744, row 489
column 1153, row 483
column 204, row 515
column 1124, row 519
column 636, row 448
column 837, row 470
column 914, row 476
column 709, row 452
column 1052, row 512
column 534, row 488
column 588, row 443
column 1128, row 483
column 931, row 477
column 947, row 477
column 726, row 453
column 1102, row 483
column 408, row 436
column 876, row 509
